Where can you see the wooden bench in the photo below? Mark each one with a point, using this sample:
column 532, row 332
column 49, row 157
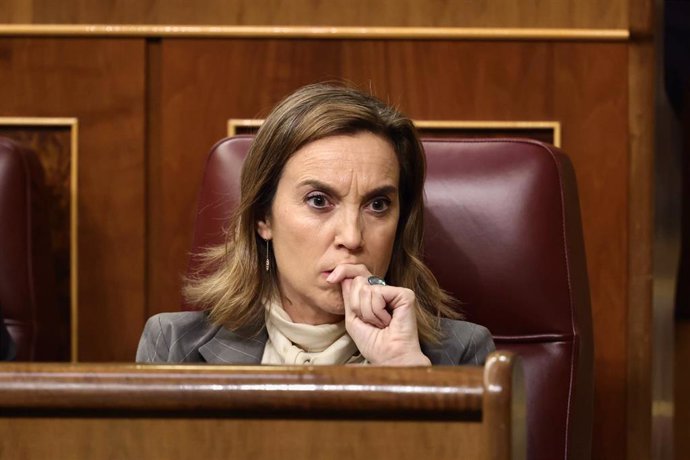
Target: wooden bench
column 94, row 411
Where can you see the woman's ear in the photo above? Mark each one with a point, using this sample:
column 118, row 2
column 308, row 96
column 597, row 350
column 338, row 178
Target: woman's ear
column 263, row 228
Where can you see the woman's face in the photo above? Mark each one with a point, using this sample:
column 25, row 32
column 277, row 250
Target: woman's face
column 336, row 203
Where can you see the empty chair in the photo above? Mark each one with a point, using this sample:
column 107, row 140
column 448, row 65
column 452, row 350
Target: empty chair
column 28, row 296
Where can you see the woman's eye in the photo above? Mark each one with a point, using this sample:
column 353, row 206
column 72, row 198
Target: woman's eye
column 318, row 201
column 380, row 204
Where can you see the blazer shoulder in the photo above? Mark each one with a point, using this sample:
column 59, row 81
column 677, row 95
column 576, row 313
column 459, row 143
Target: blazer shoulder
column 462, row 342
column 175, row 337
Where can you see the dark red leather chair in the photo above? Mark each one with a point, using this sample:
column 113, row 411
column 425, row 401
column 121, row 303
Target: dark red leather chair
column 503, row 234
column 27, row 277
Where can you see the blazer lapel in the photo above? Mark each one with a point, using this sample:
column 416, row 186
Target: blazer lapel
column 228, row 347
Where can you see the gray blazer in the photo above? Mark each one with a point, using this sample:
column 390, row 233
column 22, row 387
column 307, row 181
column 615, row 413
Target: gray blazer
column 188, row 337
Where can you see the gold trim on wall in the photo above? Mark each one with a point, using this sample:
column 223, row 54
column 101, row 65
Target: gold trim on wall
column 73, row 125
column 234, row 124
column 554, row 126
column 315, row 32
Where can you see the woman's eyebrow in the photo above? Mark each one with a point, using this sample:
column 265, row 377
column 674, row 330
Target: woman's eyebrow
column 381, row 191
column 322, row 186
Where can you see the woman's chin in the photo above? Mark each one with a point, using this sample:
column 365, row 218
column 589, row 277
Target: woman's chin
column 329, row 315
column 331, row 312
column 334, row 309
column 333, row 303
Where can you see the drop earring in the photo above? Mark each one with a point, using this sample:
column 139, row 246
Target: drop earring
column 268, row 260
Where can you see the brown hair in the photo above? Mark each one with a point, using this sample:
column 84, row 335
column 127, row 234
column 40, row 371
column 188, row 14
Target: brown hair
column 236, row 283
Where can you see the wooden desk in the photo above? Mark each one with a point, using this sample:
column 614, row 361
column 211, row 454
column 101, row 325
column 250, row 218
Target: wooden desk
column 87, row 411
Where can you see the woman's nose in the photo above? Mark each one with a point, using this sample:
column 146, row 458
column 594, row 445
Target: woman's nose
column 349, row 231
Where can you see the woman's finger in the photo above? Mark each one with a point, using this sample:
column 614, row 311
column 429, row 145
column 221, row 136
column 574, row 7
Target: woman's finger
column 351, row 297
column 371, row 306
column 378, row 306
column 366, row 314
column 396, row 297
column 346, row 289
column 372, row 303
column 367, row 303
column 345, row 271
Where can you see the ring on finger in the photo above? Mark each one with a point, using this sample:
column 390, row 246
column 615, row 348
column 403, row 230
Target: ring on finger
column 376, row 281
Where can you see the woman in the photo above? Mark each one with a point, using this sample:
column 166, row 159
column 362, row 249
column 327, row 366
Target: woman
column 322, row 263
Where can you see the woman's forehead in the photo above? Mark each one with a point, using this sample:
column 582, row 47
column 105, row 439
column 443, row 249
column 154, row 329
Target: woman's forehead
column 362, row 158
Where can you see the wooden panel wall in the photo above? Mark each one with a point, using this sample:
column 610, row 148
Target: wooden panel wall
column 149, row 109
column 101, row 83
column 430, row 13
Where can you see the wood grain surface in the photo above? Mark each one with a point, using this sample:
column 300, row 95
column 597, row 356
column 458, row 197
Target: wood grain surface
column 681, row 382
column 211, row 438
column 355, row 390
column 640, row 270
column 592, row 92
column 100, row 82
column 126, row 411
column 430, row 13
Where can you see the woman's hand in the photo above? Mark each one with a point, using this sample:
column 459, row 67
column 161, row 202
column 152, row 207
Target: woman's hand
column 380, row 319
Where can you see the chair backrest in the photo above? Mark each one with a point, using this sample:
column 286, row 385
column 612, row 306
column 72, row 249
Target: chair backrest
column 28, row 295
column 502, row 234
